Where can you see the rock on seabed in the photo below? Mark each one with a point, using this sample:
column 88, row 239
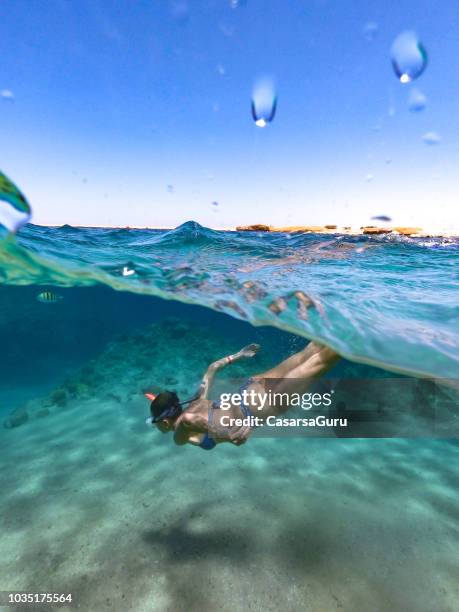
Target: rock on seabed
column 17, row 418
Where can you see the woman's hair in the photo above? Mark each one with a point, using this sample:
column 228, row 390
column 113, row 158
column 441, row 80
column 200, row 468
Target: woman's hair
column 165, row 405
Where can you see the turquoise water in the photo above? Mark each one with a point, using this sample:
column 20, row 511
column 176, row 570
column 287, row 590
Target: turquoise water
column 387, row 301
column 95, row 503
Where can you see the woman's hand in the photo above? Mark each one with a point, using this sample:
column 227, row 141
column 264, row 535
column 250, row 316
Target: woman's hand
column 239, row 435
column 250, row 350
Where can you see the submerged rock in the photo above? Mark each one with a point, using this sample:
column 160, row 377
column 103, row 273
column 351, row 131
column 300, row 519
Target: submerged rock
column 172, row 354
column 76, row 389
column 59, row 397
column 17, row 418
column 42, row 413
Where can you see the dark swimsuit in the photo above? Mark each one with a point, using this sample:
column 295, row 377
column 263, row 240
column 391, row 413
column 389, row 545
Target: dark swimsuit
column 208, row 443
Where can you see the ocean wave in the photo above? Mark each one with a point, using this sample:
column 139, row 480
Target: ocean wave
column 384, row 300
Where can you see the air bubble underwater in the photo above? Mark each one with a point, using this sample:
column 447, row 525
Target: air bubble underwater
column 15, row 211
column 264, row 102
column 409, row 57
column 127, row 271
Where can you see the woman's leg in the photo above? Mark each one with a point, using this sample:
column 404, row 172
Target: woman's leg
column 299, row 379
column 294, row 375
column 291, row 363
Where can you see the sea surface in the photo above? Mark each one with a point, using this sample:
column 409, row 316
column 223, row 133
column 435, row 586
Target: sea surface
column 387, row 301
column 95, row 503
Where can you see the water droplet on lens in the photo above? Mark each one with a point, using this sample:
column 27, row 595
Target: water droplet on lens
column 409, row 58
column 416, row 101
column 180, row 11
column 370, row 30
column 431, row 138
column 7, row 94
column 264, row 102
column 226, row 29
column 381, row 218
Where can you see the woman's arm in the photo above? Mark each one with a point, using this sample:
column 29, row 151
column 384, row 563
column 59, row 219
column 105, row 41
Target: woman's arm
column 248, row 351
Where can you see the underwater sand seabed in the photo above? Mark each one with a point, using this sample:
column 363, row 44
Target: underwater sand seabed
column 95, row 503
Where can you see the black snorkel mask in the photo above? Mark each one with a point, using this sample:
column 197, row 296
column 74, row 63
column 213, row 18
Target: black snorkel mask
column 170, row 412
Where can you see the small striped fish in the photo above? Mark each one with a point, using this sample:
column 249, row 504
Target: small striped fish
column 48, row 297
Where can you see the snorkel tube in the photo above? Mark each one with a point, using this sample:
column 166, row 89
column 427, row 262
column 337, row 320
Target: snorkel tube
column 151, row 398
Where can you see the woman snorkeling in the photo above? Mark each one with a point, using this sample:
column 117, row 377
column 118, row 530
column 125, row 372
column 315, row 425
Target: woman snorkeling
column 205, row 423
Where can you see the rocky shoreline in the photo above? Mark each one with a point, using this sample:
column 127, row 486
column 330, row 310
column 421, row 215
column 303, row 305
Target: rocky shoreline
column 416, row 232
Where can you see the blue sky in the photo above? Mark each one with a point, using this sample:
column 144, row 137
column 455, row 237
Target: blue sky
column 116, row 100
